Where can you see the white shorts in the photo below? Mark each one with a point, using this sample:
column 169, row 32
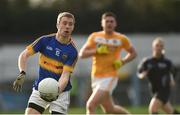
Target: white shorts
column 106, row 84
column 60, row 105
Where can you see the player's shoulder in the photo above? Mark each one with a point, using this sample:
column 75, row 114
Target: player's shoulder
column 167, row 60
column 46, row 38
column 97, row 33
column 120, row 35
column 74, row 47
column 49, row 36
column 147, row 59
column 93, row 35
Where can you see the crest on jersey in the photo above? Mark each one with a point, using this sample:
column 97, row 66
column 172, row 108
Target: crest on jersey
column 64, row 57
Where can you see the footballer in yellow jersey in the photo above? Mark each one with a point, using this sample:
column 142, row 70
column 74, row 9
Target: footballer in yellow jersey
column 103, row 64
column 105, row 47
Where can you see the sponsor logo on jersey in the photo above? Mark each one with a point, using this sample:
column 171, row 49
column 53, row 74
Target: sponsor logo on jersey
column 49, row 48
column 162, row 65
column 112, row 41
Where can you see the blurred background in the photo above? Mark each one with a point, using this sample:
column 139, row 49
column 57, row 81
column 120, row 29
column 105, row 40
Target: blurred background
column 23, row 21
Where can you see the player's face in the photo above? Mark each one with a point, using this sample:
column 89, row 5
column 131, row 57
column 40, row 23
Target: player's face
column 158, row 47
column 65, row 26
column 109, row 24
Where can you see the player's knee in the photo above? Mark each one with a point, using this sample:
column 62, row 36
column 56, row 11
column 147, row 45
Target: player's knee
column 109, row 110
column 90, row 106
column 31, row 111
column 153, row 110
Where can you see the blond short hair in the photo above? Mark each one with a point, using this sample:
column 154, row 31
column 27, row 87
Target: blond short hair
column 158, row 40
column 65, row 14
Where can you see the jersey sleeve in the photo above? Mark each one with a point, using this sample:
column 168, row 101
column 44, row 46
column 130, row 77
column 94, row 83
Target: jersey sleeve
column 90, row 42
column 142, row 66
column 71, row 62
column 36, row 46
column 173, row 69
column 126, row 43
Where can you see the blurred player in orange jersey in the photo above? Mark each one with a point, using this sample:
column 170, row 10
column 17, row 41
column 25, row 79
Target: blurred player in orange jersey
column 105, row 47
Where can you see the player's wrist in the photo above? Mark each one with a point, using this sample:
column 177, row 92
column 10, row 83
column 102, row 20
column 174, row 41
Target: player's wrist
column 59, row 90
column 23, row 72
column 123, row 61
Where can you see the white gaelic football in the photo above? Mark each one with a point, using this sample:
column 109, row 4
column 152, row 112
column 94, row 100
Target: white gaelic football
column 48, row 88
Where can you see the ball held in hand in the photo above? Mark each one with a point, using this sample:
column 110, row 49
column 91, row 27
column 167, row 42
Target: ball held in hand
column 49, row 89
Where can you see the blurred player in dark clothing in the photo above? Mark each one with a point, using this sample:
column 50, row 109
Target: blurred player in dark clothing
column 160, row 72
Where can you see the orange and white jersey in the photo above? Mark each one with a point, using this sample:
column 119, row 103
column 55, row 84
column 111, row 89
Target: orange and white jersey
column 103, row 63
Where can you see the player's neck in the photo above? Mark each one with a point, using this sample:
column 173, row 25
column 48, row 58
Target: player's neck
column 62, row 39
column 156, row 55
column 108, row 32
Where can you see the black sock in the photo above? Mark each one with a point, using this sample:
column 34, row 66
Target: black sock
column 54, row 112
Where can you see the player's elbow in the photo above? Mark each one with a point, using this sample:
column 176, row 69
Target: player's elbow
column 140, row 76
column 134, row 53
column 81, row 55
column 24, row 54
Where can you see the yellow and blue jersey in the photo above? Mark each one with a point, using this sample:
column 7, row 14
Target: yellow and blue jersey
column 54, row 58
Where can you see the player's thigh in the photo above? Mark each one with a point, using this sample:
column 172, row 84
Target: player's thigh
column 154, row 105
column 30, row 111
column 163, row 96
column 106, row 84
column 102, row 89
column 168, row 108
column 36, row 103
column 61, row 105
column 108, row 104
column 97, row 97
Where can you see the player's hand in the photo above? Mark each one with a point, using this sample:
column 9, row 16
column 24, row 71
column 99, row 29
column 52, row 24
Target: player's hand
column 172, row 84
column 118, row 64
column 102, row 49
column 49, row 97
column 17, row 84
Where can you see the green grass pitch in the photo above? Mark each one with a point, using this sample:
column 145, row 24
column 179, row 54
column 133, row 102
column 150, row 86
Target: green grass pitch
column 133, row 110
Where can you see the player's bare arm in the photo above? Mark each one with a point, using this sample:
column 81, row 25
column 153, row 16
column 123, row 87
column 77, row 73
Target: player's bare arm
column 63, row 81
column 23, row 60
column 86, row 51
column 130, row 56
column 18, row 83
column 172, row 81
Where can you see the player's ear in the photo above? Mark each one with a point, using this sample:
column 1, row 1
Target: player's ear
column 73, row 27
column 102, row 23
column 57, row 25
column 115, row 23
column 163, row 51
